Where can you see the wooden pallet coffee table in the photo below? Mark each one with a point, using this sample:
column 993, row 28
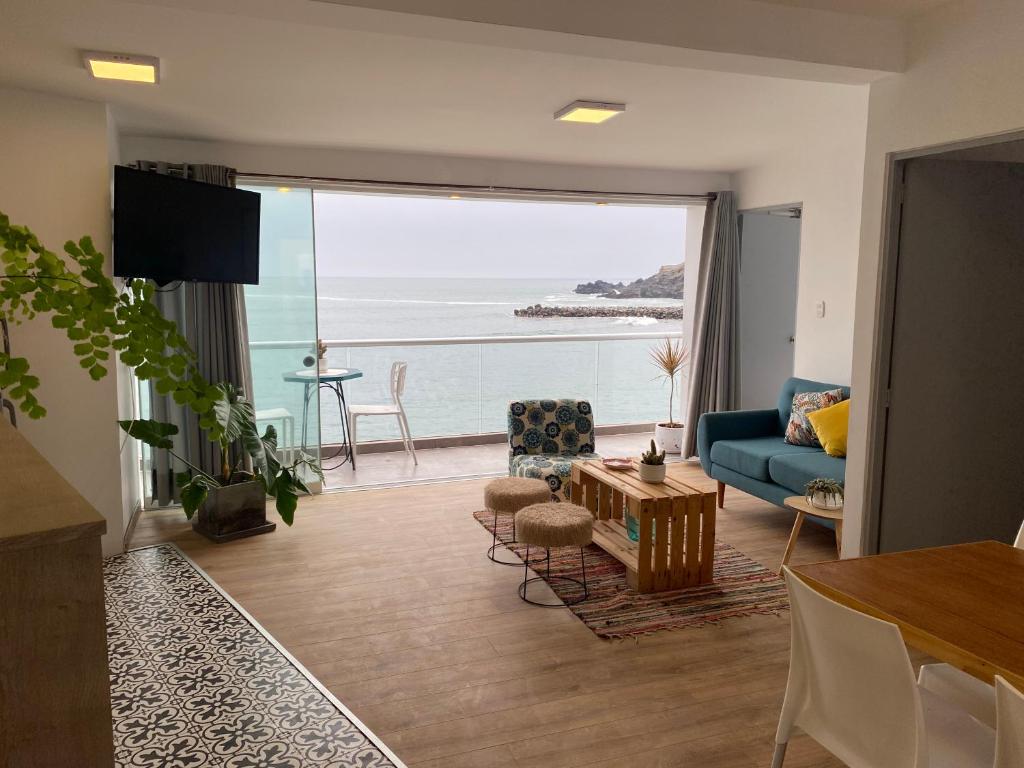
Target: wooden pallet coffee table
column 677, row 524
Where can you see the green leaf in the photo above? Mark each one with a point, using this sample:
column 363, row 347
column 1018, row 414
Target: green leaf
column 193, row 494
column 156, row 434
column 231, row 411
column 17, row 366
column 262, row 449
column 97, row 372
column 286, row 498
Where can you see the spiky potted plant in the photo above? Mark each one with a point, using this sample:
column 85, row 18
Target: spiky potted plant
column 670, row 357
column 652, row 465
column 824, row 493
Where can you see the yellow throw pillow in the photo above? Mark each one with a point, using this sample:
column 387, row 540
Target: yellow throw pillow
column 831, row 425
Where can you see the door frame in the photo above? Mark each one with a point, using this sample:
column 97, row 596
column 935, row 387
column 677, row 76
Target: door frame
column 884, row 319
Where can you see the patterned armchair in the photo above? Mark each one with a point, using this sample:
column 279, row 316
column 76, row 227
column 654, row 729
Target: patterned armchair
column 544, row 436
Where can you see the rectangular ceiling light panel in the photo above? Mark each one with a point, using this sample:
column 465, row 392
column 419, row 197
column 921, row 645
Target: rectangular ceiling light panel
column 589, row 111
column 122, row 66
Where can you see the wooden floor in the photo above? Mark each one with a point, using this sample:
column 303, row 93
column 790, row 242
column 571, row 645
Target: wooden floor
column 386, row 596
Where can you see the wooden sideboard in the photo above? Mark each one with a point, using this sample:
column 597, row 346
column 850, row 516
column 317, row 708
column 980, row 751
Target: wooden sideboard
column 54, row 679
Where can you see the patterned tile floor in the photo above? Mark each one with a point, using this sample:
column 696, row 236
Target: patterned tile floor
column 196, row 683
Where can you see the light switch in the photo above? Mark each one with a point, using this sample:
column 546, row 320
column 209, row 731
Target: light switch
column 819, row 309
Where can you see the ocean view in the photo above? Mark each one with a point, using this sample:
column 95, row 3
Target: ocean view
column 458, row 389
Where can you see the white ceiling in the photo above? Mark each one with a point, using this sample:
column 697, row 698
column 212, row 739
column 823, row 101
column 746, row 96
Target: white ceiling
column 883, row 9
column 228, row 75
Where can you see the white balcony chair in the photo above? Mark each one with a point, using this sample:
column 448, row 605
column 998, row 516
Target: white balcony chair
column 286, row 435
column 851, row 688
column 1019, row 543
column 394, row 408
column 1010, row 730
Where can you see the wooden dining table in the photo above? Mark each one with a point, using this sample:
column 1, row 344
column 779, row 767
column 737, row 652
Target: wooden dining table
column 962, row 604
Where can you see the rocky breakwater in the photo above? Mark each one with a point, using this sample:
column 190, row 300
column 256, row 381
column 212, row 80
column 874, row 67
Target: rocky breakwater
column 658, row 313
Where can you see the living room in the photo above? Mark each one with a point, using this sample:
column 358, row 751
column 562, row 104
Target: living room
column 394, row 627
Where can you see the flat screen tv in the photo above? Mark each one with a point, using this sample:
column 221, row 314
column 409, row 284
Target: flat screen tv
column 167, row 229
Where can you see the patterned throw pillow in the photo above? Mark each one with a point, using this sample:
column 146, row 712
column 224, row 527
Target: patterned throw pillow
column 799, row 430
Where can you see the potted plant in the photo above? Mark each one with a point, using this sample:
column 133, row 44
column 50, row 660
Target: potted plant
column 321, row 356
column 233, row 504
column 104, row 320
column 671, row 357
column 652, row 465
column 824, row 493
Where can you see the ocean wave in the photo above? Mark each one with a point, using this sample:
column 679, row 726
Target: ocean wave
column 279, row 296
column 636, row 321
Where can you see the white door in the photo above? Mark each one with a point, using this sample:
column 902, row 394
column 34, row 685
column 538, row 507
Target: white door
column 769, row 260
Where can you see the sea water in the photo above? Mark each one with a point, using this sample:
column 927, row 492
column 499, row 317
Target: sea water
column 457, row 389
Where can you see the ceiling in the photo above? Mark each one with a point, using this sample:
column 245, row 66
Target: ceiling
column 233, row 76
column 883, row 9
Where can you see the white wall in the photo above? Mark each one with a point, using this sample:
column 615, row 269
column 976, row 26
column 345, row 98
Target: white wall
column 55, row 179
column 823, row 171
column 427, row 169
column 964, row 81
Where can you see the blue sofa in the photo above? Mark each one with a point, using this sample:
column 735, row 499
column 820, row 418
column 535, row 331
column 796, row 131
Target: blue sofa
column 746, row 449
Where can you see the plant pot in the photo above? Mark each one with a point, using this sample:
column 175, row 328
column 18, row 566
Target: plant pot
column 669, row 439
column 821, row 500
column 652, row 473
column 233, row 512
column 322, row 365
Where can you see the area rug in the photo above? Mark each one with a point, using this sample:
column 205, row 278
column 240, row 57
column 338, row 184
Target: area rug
column 196, row 683
column 741, row 587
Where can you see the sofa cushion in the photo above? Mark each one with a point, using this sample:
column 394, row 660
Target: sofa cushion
column 794, row 471
column 800, row 431
column 750, row 456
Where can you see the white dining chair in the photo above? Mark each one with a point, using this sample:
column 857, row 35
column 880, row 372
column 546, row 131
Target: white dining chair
column 1010, row 725
column 961, row 689
column 852, row 689
column 394, row 408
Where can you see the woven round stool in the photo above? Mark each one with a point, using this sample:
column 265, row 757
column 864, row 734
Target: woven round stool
column 554, row 524
column 506, row 496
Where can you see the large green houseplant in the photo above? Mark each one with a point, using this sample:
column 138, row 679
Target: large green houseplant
column 101, row 321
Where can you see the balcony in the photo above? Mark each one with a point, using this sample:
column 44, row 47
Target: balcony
column 456, row 397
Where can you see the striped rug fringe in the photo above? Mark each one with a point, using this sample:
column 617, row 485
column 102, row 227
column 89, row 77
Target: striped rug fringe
column 741, row 587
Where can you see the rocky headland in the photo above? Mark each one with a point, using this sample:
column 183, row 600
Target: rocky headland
column 667, row 283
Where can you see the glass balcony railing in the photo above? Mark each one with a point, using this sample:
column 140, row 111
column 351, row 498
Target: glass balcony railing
column 462, row 386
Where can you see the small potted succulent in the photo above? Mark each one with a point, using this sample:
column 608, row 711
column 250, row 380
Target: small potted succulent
column 824, row 493
column 652, row 465
column 321, row 356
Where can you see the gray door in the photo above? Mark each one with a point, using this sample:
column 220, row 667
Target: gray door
column 953, row 467
column 769, row 264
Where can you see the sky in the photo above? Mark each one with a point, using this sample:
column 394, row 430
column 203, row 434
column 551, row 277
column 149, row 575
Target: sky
column 392, row 236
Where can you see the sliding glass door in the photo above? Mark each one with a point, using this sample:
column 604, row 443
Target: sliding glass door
column 282, row 319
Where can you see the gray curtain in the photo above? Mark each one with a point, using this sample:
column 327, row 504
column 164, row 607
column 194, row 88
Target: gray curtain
column 212, row 317
column 713, row 349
